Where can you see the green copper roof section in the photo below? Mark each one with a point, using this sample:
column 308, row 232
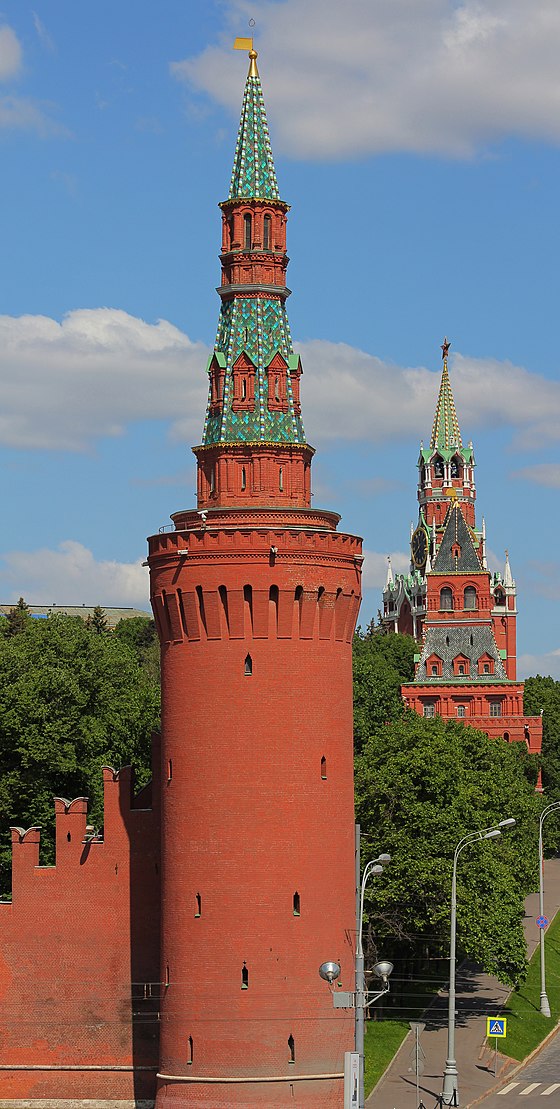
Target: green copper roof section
column 253, row 174
column 445, row 432
column 258, row 327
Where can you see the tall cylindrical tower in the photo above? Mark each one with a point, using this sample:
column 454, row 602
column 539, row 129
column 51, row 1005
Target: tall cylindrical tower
column 256, row 597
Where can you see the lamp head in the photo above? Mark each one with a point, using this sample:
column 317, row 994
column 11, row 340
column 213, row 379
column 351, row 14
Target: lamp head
column 329, row 971
column 509, row 823
column 376, row 869
column 383, row 969
column 493, row 834
column 384, row 859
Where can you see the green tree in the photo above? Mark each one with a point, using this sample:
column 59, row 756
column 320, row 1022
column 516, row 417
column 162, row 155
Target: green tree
column 18, row 618
column 420, row 786
column 381, row 664
column 543, row 695
column 140, row 634
column 97, row 622
column 70, row 701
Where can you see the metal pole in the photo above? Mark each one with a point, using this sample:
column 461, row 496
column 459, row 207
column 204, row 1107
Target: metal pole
column 545, row 1007
column 450, row 1079
column 360, row 977
column 450, row 1093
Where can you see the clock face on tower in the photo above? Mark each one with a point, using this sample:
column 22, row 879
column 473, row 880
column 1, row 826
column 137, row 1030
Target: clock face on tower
column 419, row 547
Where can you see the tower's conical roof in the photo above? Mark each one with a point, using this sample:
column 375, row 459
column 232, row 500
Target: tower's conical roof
column 253, row 165
column 253, row 322
column 446, row 434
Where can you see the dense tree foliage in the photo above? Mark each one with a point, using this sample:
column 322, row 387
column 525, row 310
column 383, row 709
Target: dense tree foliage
column 543, row 695
column 71, row 699
column 420, row 786
column 140, row 634
column 381, row 664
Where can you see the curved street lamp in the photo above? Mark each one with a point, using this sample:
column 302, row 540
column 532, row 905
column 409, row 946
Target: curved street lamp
column 450, row 1094
column 372, row 869
column 545, row 1007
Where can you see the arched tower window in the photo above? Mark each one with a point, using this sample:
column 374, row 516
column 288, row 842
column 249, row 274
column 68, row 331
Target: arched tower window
column 244, row 977
column 438, row 466
column 470, row 597
column 456, row 468
column 247, row 231
column 296, row 904
column 446, row 599
column 291, row 1049
column 248, row 666
column 267, row 233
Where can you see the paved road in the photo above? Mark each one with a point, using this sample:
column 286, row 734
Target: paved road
column 539, row 1079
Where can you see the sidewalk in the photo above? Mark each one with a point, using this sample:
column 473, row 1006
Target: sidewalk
column 478, row 996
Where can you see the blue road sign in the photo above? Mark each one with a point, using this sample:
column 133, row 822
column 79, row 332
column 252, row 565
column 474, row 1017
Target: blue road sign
column 496, row 1026
column 542, row 922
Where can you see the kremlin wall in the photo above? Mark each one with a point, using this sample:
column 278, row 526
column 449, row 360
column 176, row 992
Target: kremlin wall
column 173, row 960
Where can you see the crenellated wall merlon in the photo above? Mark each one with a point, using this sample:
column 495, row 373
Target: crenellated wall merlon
column 26, row 835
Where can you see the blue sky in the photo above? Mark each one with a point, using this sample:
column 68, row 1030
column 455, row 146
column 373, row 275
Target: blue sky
column 418, row 142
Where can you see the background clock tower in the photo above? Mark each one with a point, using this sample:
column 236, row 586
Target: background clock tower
column 462, row 614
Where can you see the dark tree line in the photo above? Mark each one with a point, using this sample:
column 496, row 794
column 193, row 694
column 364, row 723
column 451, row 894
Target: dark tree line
column 73, row 697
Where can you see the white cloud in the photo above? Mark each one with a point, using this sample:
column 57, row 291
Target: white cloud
column 20, row 113
column 544, row 473
column 43, row 35
column 70, row 575
column 381, row 75
column 65, row 385
column 10, row 54
column 547, row 665
column 374, row 567
column 349, row 394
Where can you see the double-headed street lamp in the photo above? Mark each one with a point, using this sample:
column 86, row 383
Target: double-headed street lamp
column 450, row 1095
column 545, row 1007
column 382, row 970
column 361, row 999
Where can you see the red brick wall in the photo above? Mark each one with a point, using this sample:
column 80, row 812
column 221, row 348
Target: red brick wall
column 79, row 948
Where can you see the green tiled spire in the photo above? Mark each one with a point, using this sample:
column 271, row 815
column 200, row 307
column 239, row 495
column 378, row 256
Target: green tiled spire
column 253, row 166
column 445, row 432
column 253, row 319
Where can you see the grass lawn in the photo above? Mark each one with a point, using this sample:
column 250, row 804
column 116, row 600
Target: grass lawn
column 526, row 1027
column 383, row 1038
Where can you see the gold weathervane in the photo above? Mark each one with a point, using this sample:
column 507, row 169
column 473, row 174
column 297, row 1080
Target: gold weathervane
column 247, row 44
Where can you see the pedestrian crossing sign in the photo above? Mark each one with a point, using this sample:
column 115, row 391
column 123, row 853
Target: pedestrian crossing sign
column 496, row 1026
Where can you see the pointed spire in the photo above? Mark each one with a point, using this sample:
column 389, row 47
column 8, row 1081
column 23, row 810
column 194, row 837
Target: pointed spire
column 253, row 173
column 389, row 580
column 508, row 576
column 445, row 432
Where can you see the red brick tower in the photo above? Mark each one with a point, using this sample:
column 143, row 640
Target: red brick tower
column 463, row 615
column 256, row 596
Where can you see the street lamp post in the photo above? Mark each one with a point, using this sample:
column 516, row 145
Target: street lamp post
column 371, row 869
column 450, row 1094
column 545, row 1007
column 361, row 999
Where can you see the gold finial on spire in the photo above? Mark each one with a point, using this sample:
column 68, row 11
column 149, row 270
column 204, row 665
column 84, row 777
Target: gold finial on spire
column 445, row 348
column 247, row 44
